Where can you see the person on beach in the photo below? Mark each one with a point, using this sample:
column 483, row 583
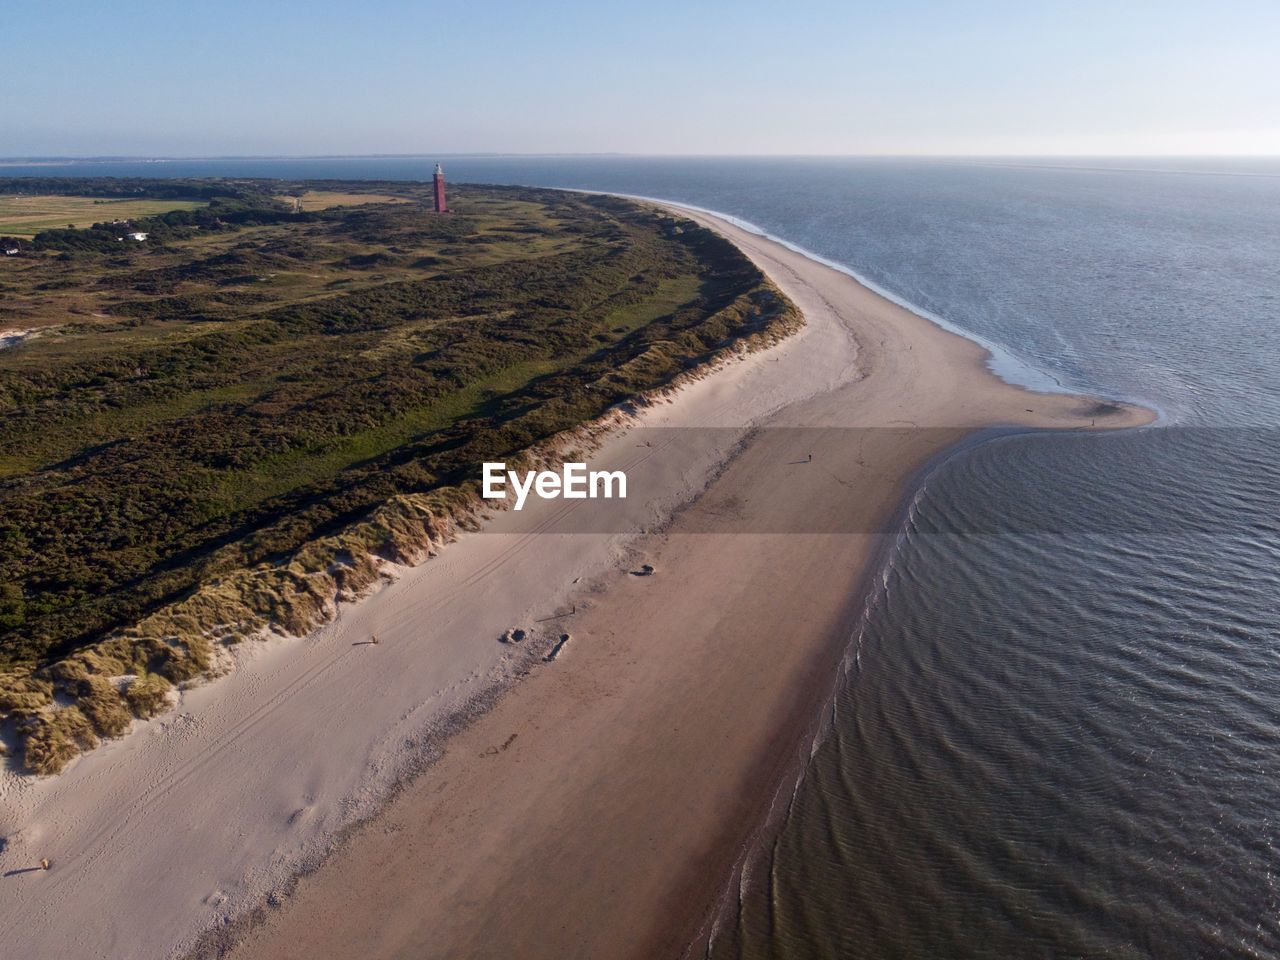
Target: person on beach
column 811, row 458
column 45, row 864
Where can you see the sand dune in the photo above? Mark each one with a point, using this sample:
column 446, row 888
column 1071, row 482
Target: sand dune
column 596, row 808
column 14, row 336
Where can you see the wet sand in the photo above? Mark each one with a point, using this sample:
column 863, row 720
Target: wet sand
column 600, row 807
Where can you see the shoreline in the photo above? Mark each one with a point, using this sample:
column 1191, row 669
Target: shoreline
column 756, row 845
column 255, row 777
column 1002, row 361
column 445, row 872
column 318, row 800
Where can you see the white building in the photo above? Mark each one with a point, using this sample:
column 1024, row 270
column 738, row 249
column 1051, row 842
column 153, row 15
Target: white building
column 136, row 236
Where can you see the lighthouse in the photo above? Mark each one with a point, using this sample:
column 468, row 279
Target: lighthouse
column 438, row 182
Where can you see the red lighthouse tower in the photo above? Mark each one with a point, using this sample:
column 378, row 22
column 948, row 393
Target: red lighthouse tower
column 438, row 181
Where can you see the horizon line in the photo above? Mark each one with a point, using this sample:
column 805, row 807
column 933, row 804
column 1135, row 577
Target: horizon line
column 163, row 158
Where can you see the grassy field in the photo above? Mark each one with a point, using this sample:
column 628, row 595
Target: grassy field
column 327, row 199
column 23, row 216
column 215, row 432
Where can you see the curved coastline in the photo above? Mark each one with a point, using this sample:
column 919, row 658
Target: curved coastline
column 304, row 739
column 1003, row 362
column 641, row 822
column 571, row 780
column 754, row 851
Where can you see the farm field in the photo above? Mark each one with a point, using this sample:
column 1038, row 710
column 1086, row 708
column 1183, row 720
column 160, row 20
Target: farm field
column 25, row 216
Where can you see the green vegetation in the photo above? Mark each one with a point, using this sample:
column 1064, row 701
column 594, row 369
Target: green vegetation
column 219, row 432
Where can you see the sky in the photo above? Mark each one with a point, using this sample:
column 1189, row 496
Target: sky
column 860, row 77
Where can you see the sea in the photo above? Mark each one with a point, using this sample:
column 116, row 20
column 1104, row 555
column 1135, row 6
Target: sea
column 1057, row 730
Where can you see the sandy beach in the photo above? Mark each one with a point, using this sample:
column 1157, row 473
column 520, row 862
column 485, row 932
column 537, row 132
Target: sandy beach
column 598, row 809
column 591, row 806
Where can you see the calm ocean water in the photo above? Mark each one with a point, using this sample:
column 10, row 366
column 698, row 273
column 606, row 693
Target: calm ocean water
column 1059, row 731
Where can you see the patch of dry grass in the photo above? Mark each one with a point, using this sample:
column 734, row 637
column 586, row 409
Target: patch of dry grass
column 101, row 702
column 324, row 199
column 22, row 693
column 148, row 695
column 52, row 739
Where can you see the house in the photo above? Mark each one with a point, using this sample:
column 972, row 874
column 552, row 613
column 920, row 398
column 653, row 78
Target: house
column 137, row 235
column 11, row 250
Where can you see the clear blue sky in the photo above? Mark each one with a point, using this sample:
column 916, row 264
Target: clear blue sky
column 85, row 77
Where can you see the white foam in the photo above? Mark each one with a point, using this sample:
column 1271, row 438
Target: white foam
column 1002, row 361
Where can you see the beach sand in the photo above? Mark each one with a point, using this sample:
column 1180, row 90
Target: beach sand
column 599, row 807
column 201, row 813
